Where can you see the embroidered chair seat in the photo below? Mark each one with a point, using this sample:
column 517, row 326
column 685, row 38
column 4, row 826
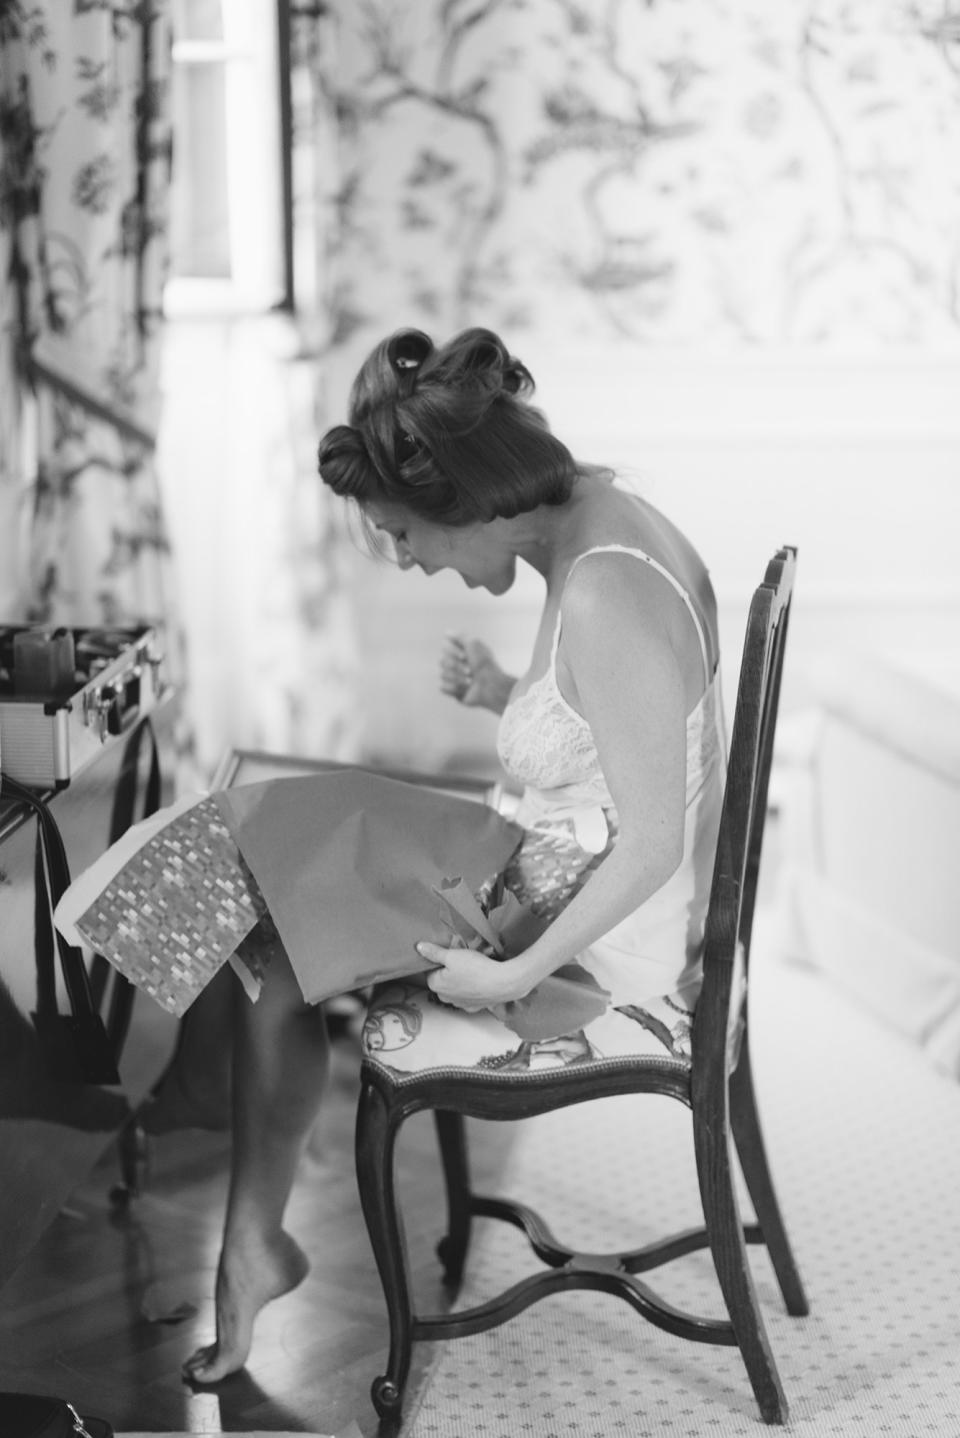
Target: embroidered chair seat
column 409, row 1033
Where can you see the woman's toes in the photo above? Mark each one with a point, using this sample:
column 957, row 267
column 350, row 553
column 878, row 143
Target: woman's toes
column 197, row 1366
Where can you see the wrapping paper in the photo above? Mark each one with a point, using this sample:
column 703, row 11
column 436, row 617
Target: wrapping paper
column 349, row 864
column 167, row 904
column 352, row 868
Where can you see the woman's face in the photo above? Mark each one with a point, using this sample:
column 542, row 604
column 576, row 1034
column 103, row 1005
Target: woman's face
column 475, row 551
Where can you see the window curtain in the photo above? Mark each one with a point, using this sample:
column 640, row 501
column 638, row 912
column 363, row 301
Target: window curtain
column 84, row 176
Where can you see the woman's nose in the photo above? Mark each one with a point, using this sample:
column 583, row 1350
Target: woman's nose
column 405, row 559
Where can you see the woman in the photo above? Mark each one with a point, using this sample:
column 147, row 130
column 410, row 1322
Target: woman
column 615, row 733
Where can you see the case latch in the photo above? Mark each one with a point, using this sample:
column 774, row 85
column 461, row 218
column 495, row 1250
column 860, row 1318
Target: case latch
column 112, row 708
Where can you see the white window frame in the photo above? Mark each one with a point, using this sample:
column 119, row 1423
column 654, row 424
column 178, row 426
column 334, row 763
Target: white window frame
column 249, row 49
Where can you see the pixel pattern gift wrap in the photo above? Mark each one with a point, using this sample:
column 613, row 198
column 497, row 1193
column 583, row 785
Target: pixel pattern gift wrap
column 168, row 904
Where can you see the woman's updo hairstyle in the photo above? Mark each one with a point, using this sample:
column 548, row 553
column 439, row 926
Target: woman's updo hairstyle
column 447, row 433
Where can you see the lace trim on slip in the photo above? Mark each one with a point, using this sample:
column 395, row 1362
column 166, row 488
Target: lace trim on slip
column 542, row 741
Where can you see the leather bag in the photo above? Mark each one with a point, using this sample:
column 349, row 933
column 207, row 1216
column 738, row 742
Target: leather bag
column 27, row 1415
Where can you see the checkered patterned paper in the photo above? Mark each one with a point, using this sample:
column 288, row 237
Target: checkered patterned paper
column 176, row 911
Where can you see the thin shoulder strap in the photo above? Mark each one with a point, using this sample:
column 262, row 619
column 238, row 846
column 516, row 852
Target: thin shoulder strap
column 671, row 578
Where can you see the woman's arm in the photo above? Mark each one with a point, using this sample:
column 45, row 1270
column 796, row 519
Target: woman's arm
column 469, row 673
column 629, row 687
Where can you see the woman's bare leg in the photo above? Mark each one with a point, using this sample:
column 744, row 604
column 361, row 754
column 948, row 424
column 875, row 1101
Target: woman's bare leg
column 280, row 1065
column 194, row 1089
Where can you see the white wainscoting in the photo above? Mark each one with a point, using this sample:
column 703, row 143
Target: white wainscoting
column 856, row 460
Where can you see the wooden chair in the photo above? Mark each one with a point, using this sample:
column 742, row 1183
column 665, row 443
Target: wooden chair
column 716, row 1085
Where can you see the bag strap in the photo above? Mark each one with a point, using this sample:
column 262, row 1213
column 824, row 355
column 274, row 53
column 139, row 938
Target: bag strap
column 76, row 1044
column 123, row 814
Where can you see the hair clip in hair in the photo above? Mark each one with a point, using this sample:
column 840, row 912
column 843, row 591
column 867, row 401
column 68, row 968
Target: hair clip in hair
column 405, row 362
column 407, row 446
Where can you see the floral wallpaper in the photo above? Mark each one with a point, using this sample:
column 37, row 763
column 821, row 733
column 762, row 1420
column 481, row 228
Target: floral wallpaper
column 84, row 172
column 722, row 173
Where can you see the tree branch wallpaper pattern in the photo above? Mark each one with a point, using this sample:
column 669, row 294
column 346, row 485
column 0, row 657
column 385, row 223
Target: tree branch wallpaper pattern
column 730, row 174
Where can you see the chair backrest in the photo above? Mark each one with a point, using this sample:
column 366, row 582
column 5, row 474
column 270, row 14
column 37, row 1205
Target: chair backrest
column 733, row 893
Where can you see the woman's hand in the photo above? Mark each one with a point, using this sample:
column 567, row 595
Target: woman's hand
column 470, row 674
column 471, row 981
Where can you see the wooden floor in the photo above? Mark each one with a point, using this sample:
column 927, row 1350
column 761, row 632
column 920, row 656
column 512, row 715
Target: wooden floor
column 112, row 1300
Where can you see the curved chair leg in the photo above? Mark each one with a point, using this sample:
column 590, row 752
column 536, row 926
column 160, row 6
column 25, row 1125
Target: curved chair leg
column 452, row 1249
column 756, row 1170
column 376, row 1133
column 725, row 1232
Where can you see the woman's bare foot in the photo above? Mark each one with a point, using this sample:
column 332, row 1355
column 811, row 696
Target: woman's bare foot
column 251, row 1273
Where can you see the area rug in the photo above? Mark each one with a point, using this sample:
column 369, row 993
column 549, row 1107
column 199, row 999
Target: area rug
column 351, row 1431
column 864, row 1142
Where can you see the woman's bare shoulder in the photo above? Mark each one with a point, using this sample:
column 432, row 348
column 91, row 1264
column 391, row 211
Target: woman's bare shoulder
column 612, row 596
column 609, row 586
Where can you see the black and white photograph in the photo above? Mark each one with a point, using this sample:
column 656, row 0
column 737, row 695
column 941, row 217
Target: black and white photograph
column 479, row 718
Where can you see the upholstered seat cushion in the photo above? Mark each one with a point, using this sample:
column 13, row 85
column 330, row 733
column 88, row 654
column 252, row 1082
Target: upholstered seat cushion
column 409, row 1031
